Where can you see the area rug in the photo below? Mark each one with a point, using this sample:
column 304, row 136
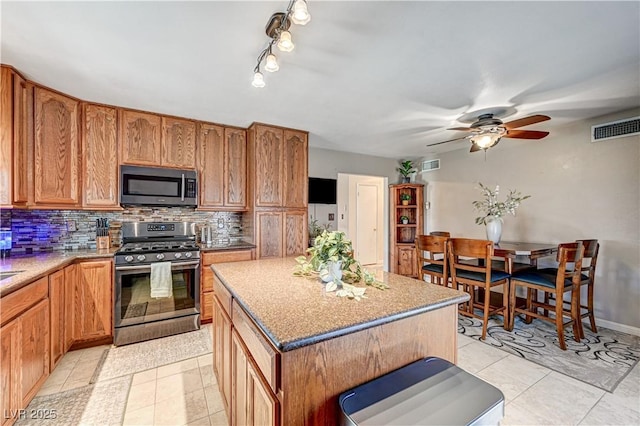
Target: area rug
column 130, row 359
column 102, row 403
column 601, row 359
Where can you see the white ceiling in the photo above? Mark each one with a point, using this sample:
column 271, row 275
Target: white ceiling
column 382, row 78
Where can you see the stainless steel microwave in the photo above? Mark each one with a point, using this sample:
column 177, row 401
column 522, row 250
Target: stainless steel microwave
column 156, row 186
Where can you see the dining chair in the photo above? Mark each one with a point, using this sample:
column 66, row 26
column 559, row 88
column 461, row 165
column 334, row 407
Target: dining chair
column 566, row 278
column 440, row 233
column 432, row 258
column 469, row 260
column 587, row 278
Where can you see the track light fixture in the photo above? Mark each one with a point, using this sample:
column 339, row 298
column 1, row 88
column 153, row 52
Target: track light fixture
column 278, row 31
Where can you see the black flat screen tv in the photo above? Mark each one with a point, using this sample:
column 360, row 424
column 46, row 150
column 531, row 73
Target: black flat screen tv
column 322, row 191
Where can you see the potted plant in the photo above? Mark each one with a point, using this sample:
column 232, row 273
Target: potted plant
column 405, row 169
column 331, row 257
column 493, row 210
column 404, row 220
column 405, row 198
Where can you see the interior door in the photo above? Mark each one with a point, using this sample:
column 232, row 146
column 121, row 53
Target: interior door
column 367, row 223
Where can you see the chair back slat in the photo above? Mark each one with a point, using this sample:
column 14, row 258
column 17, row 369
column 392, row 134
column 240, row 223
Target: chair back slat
column 441, row 234
column 591, row 249
column 428, row 246
column 569, row 253
column 481, row 249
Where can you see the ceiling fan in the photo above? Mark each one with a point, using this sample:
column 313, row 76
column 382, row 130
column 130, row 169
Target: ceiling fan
column 488, row 130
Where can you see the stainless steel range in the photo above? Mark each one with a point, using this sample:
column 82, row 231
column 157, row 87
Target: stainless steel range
column 157, row 281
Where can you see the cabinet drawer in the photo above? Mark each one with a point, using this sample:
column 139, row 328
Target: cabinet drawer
column 19, row 301
column 223, row 295
column 226, row 256
column 264, row 355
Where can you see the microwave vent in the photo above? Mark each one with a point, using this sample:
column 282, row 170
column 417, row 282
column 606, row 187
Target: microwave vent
column 615, row 129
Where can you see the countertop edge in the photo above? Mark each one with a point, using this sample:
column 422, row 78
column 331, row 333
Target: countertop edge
column 295, row 344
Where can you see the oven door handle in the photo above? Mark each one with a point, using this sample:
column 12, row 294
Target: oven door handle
column 134, row 267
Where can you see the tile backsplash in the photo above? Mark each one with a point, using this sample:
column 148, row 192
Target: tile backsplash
column 47, row 230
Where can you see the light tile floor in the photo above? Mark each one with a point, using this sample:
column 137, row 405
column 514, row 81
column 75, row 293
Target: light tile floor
column 186, row 392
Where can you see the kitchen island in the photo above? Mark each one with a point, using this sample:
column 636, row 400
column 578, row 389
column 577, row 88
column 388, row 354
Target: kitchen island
column 284, row 349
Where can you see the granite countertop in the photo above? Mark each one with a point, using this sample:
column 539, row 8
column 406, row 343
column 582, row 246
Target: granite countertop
column 228, row 246
column 296, row 311
column 34, row 266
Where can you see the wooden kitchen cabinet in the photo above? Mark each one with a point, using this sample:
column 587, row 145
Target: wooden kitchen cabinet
column 269, row 234
column 178, row 143
column 267, row 163
column 6, row 137
column 34, row 355
column 295, row 238
column 402, row 239
column 296, row 181
column 206, row 277
column 56, row 149
column 69, row 304
column 57, row 314
column 10, row 367
column 222, row 351
column 100, row 157
column 140, row 138
column 222, row 163
column 93, row 301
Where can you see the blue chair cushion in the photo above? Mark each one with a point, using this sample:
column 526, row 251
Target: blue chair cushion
column 539, row 277
column 479, row 276
column 432, row 267
column 554, row 272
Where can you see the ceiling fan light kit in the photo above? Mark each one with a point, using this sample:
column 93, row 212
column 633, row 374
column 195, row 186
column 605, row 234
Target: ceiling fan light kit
column 487, row 131
column 277, row 30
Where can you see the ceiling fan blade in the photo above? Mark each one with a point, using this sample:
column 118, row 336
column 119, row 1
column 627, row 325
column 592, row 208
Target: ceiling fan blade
column 474, row 148
column 462, row 129
column 450, row 140
column 525, row 134
column 526, row 121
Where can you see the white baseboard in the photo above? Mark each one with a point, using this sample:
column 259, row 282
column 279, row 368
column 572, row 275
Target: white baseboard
column 615, row 326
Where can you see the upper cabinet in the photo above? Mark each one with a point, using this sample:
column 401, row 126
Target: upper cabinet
column 6, row 136
column 222, row 163
column 56, row 148
column 100, row 159
column 267, row 164
column 295, row 169
column 140, row 138
column 178, row 143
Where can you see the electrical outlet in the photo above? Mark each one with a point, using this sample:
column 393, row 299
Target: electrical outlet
column 331, row 216
column 71, row 226
column 220, row 223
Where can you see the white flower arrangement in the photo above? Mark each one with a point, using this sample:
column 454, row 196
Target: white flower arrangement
column 490, row 206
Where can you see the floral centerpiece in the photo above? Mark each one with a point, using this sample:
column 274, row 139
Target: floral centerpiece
column 331, row 257
column 493, row 210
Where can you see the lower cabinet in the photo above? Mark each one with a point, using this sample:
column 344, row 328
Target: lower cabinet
column 222, row 352
column 407, row 262
column 69, row 304
column 206, row 277
column 93, row 313
column 24, row 347
column 281, row 233
column 252, row 402
column 57, row 311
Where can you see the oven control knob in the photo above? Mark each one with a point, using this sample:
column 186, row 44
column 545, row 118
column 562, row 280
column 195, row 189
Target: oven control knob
column 141, row 257
column 159, row 256
column 187, row 254
column 178, row 255
column 128, row 258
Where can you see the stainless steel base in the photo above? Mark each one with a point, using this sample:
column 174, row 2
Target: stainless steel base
column 154, row 330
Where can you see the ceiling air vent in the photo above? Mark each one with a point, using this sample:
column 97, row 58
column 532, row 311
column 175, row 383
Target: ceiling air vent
column 615, row 129
column 430, row 165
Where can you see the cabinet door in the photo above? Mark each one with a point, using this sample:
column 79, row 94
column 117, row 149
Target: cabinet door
column 206, row 302
column 10, row 371
column 69, row 305
column 407, row 261
column 268, row 166
column 211, row 165
column 269, row 234
column 140, row 138
column 100, row 158
column 295, row 232
column 56, row 147
column 295, row 169
column 57, row 314
column 263, row 406
column 222, row 352
column 178, row 143
column 239, row 365
column 235, row 168
column 93, row 313
column 6, row 136
column 34, row 357
column 21, row 157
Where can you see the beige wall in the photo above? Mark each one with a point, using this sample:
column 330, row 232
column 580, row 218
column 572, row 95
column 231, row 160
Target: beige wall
column 578, row 190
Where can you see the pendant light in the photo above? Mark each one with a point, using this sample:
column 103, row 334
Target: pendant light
column 258, row 79
column 300, row 14
column 271, row 63
column 284, row 42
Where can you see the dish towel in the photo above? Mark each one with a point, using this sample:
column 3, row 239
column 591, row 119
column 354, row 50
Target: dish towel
column 161, row 280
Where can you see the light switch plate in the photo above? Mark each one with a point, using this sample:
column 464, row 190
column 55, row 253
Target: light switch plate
column 71, row 226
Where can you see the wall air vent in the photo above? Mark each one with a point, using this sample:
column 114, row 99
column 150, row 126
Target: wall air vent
column 615, row 129
column 430, row 165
